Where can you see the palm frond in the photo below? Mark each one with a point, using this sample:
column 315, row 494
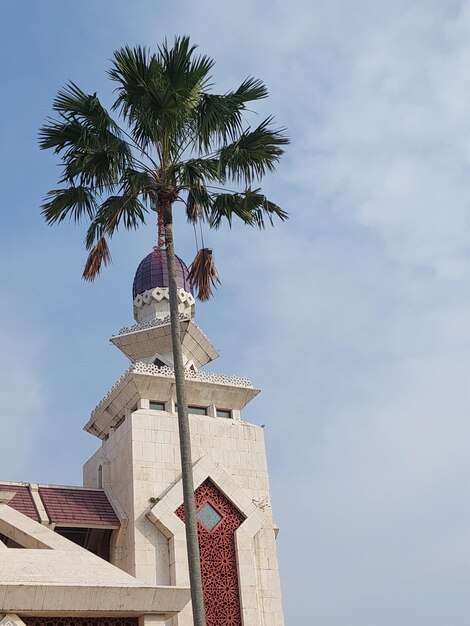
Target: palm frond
column 251, row 206
column 177, row 141
column 251, row 89
column 220, row 117
column 158, row 93
column 253, row 154
column 98, row 256
column 73, row 202
column 203, row 274
column 59, row 134
column 72, row 102
column 135, row 69
column 137, row 182
column 184, row 70
column 99, row 163
column 198, row 203
column 89, row 141
column 125, row 209
column 192, row 176
column 193, row 172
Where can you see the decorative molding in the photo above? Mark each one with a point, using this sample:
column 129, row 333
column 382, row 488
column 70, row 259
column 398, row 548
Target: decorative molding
column 149, row 369
column 53, row 576
column 38, row 503
column 163, row 515
column 162, row 293
column 80, row 621
column 158, row 321
column 204, row 377
column 156, row 302
column 218, row 555
column 30, row 534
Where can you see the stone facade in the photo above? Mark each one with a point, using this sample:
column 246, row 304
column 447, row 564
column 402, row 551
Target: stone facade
column 138, row 464
column 141, row 467
column 113, row 553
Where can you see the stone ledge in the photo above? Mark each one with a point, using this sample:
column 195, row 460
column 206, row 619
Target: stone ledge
column 106, row 600
column 168, row 372
column 142, row 380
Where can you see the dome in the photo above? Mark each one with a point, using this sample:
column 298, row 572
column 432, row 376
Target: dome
column 153, row 272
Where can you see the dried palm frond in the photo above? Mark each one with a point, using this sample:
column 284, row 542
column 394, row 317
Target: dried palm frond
column 203, row 274
column 98, row 256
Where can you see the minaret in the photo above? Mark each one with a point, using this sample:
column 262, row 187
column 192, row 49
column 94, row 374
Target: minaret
column 138, row 464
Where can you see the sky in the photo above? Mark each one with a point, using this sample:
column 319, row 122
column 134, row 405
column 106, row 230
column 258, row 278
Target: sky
column 352, row 317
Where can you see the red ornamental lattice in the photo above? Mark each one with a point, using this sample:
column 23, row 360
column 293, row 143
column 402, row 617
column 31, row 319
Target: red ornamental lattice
column 218, row 558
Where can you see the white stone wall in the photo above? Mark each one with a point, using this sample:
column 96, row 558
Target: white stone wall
column 143, row 456
column 115, row 457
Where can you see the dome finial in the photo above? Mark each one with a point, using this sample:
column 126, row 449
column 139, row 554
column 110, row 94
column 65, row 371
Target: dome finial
column 150, row 287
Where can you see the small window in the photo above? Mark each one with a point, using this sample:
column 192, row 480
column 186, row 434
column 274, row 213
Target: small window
column 195, row 410
column 208, row 516
column 157, row 406
column 224, row 413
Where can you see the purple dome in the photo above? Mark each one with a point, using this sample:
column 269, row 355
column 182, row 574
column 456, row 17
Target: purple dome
column 153, row 272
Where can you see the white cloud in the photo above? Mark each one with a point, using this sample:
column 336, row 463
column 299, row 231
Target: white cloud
column 391, row 147
column 352, row 317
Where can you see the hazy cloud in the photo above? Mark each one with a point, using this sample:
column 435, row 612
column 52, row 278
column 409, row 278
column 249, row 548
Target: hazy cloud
column 352, row 317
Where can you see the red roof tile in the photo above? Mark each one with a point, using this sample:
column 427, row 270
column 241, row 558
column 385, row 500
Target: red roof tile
column 22, row 500
column 65, row 505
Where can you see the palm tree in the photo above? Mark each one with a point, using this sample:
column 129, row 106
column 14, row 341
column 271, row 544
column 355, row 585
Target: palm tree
column 170, row 141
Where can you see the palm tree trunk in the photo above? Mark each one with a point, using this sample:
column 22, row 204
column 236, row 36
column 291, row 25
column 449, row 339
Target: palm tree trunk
column 194, row 562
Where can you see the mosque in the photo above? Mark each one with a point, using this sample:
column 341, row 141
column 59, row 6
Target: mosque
column 113, row 552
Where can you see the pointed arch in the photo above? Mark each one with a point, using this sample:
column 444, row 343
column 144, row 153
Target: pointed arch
column 163, row 515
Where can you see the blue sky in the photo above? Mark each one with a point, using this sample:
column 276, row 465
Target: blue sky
column 352, row 317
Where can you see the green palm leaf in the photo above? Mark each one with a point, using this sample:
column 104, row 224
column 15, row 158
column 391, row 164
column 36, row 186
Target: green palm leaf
column 171, row 139
column 253, row 154
column 220, row 117
column 72, row 202
column 251, row 206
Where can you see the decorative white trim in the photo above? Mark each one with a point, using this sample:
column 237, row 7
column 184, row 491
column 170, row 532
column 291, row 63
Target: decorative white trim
column 155, row 303
column 31, row 534
column 54, row 576
column 38, row 503
column 161, row 358
column 158, row 321
column 206, row 377
column 162, row 514
column 162, row 293
column 150, row 369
